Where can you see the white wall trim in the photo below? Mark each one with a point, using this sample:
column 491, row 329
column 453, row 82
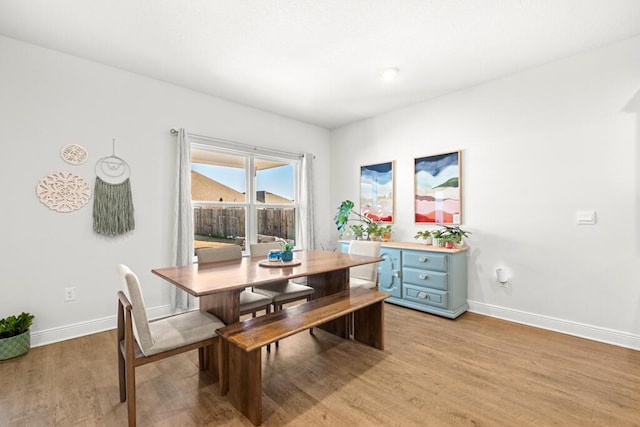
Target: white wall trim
column 75, row 330
column 608, row 336
column 595, row 333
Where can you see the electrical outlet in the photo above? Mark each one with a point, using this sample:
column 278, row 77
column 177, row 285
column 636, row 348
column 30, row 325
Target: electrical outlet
column 69, row 294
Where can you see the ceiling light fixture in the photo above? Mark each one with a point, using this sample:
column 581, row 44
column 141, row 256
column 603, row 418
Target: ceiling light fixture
column 389, row 74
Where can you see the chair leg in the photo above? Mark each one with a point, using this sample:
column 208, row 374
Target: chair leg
column 122, row 376
column 309, row 298
column 131, row 392
column 277, row 307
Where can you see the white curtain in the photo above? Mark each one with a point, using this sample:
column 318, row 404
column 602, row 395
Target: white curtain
column 305, row 207
column 182, row 219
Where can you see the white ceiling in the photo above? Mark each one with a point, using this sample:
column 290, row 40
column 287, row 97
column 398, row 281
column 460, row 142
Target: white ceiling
column 319, row 60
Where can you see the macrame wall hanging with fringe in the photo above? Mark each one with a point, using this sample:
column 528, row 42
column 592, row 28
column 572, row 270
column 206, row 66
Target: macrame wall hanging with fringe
column 112, row 200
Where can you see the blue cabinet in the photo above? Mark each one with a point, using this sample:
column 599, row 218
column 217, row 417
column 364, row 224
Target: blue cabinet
column 389, row 272
column 425, row 278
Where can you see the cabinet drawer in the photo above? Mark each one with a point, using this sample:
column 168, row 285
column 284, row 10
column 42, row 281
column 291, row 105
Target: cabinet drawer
column 425, row 296
column 427, row 260
column 425, row 278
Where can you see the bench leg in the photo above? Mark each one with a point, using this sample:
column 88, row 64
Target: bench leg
column 368, row 325
column 245, row 382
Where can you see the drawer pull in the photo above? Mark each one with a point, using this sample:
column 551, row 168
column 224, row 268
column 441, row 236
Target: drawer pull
column 396, row 273
column 423, row 276
column 423, row 259
column 423, row 295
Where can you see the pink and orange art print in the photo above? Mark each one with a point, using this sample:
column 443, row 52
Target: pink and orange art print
column 437, row 189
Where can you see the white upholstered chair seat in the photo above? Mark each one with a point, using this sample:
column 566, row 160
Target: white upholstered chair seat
column 181, row 330
column 281, row 292
column 250, row 302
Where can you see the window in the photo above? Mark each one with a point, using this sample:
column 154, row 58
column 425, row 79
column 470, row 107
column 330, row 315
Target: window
column 241, row 196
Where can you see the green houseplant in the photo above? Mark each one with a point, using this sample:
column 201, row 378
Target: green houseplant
column 287, row 250
column 448, row 241
column 343, row 215
column 358, row 230
column 15, row 338
column 425, row 235
column 384, row 232
column 436, row 236
column 456, row 233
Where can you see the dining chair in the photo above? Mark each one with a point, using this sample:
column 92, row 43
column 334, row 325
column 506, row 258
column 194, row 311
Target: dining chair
column 282, row 292
column 250, row 302
column 364, row 275
column 141, row 341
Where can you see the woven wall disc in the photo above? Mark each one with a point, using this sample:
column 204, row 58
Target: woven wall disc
column 63, row 191
column 74, row 154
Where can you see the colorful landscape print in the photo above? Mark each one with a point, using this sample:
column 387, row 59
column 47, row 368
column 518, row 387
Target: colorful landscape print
column 437, row 187
column 376, row 192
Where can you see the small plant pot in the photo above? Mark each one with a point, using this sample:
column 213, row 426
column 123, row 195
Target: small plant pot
column 287, row 256
column 448, row 245
column 15, row 346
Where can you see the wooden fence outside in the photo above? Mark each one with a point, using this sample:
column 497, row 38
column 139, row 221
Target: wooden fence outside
column 230, row 222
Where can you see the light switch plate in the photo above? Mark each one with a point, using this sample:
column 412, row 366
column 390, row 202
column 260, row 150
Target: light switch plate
column 585, row 217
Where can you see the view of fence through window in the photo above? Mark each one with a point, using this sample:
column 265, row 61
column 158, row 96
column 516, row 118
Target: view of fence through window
column 223, row 214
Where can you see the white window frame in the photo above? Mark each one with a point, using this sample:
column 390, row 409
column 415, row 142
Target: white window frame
column 250, row 203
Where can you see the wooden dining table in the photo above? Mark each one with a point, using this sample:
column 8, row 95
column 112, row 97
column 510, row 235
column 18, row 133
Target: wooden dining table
column 218, row 284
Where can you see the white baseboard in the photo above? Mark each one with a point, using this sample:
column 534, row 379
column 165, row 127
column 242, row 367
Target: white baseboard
column 609, row 336
column 595, row 333
column 67, row 332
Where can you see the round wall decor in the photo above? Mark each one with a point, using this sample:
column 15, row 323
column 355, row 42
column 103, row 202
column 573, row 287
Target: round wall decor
column 74, row 154
column 63, row 191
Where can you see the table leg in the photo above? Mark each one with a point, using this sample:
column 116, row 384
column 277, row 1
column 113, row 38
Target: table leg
column 368, row 325
column 329, row 283
column 226, row 307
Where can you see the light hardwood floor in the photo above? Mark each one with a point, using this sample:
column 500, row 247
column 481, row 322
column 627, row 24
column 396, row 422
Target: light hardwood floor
column 474, row 370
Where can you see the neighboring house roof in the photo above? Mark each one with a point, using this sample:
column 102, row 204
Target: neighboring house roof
column 273, row 198
column 208, row 190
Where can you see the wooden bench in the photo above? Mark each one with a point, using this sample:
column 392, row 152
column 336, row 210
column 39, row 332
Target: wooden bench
column 244, row 340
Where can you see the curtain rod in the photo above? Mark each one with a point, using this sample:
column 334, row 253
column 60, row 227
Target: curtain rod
column 233, row 144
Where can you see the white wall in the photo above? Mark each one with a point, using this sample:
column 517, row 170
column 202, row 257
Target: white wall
column 537, row 146
column 48, row 100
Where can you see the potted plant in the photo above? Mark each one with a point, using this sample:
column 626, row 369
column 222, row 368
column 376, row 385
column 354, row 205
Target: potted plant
column 341, row 218
column 373, row 230
column 358, row 231
column 436, row 235
column 456, row 234
column 287, row 252
column 447, row 240
column 15, row 338
column 425, row 235
column 384, row 231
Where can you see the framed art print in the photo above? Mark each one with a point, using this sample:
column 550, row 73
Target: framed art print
column 437, row 189
column 376, row 192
